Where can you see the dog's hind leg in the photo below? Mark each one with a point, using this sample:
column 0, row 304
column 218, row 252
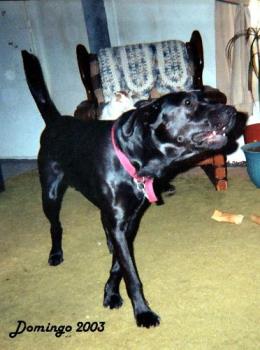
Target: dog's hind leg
column 53, row 189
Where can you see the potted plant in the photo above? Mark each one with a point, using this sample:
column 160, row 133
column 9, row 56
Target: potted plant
column 252, row 154
column 251, row 132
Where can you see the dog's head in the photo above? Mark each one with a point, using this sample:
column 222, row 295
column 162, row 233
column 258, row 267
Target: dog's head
column 174, row 127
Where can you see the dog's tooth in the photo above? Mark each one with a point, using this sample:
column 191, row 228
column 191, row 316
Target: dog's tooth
column 214, row 133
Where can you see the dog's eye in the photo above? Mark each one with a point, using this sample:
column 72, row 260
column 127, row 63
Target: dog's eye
column 187, row 102
column 180, row 139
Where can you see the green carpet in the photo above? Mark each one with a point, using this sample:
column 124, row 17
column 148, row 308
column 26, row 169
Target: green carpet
column 201, row 276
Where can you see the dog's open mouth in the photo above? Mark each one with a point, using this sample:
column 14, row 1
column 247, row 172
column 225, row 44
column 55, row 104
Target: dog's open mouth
column 212, row 138
column 215, row 137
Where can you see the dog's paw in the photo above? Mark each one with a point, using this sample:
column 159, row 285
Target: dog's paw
column 55, row 258
column 170, row 190
column 113, row 301
column 147, row 319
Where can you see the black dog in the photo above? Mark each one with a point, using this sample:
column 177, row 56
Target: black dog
column 88, row 157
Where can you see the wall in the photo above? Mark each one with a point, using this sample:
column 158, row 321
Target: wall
column 51, row 29
column 136, row 21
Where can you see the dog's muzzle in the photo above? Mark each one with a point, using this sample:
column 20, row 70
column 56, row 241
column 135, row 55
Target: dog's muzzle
column 216, row 135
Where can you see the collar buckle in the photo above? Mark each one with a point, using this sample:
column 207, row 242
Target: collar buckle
column 140, row 184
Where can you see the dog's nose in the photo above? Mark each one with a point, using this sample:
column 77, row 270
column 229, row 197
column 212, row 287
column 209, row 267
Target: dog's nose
column 230, row 111
column 223, row 118
column 227, row 119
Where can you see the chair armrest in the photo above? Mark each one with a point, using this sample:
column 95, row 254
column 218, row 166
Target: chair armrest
column 83, row 58
column 195, row 48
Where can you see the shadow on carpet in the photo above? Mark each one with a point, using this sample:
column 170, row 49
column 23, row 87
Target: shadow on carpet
column 201, row 276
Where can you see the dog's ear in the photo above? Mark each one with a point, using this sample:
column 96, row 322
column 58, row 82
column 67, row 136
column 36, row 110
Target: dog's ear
column 142, row 103
column 148, row 113
column 129, row 121
column 140, row 116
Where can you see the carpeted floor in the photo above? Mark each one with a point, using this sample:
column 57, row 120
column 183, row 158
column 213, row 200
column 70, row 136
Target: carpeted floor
column 201, row 276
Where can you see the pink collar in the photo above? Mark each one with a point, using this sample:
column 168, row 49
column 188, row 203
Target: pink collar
column 144, row 184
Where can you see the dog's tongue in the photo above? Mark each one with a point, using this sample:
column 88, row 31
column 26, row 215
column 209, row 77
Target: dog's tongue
column 215, row 134
column 212, row 135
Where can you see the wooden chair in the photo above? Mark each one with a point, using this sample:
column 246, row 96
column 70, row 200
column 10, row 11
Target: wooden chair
column 89, row 67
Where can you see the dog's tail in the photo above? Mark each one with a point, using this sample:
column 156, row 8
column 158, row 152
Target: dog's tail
column 37, row 86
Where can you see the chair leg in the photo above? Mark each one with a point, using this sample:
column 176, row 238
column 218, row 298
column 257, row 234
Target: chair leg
column 217, row 172
column 220, row 170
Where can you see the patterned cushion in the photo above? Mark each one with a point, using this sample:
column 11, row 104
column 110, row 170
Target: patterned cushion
column 175, row 69
column 162, row 67
column 127, row 68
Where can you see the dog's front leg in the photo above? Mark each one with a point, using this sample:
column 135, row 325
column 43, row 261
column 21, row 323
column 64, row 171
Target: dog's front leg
column 112, row 297
column 144, row 315
column 123, row 262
